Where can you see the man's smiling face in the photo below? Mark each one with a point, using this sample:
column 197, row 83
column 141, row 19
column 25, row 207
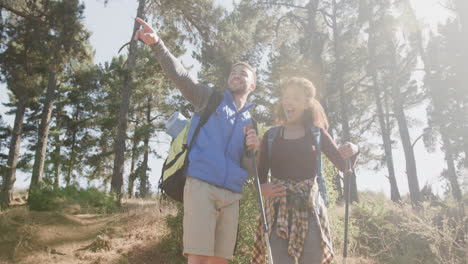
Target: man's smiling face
column 241, row 80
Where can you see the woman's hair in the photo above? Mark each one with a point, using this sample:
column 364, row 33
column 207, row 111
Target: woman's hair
column 314, row 113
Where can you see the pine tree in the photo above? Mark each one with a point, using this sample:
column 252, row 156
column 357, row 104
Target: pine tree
column 63, row 42
column 22, row 72
column 119, row 146
column 444, row 85
column 376, row 21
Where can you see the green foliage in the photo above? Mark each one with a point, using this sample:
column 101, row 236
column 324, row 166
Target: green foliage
column 379, row 231
column 392, row 233
column 46, row 198
column 329, row 173
column 171, row 243
column 248, row 219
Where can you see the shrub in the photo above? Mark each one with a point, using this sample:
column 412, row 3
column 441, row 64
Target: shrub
column 391, row 233
column 248, row 219
column 171, row 243
column 46, row 198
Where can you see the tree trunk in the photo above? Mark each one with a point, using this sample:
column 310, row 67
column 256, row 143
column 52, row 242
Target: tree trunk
column 461, row 5
column 466, row 154
column 384, row 126
column 58, row 145
column 344, row 98
column 10, row 169
column 71, row 162
column 463, row 16
column 451, row 171
column 447, row 145
column 433, row 77
column 394, row 189
column 314, row 47
column 385, row 129
column 132, row 176
column 43, row 133
column 119, row 147
column 413, row 182
column 411, row 172
column 144, row 170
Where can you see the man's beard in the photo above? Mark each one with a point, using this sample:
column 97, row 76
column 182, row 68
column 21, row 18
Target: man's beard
column 240, row 90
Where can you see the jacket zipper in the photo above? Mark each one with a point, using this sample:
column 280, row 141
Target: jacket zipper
column 226, row 148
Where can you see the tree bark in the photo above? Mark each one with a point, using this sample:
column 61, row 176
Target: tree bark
column 384, row 126
column 71, row 162
column 436, row 79
column 433, row 77
column 10, row 169
column 132, row 176
column 385, row 130
column 400, row 116
column 119, row 147
column 451, row 171
column 413, row 182
column 461, row 5
column 465, row 163
column 314, row 46
column 144, row 188
column 344, row 98
column 58, row 146
column 43, row 133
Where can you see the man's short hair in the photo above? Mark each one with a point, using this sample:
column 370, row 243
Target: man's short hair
column 248, row 67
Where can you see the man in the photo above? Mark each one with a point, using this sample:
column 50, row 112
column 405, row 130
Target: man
column 214, row 176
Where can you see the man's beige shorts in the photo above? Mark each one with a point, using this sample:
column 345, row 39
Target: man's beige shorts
column 211, row 216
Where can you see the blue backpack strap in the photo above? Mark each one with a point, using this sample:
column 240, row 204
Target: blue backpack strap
column 316, row 134
column 271, row 137
column 320, row 180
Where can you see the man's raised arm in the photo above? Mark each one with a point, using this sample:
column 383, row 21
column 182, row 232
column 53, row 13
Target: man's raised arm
column 196, row 93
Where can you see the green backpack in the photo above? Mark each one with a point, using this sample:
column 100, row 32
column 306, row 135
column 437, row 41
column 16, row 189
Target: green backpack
column 173, row 174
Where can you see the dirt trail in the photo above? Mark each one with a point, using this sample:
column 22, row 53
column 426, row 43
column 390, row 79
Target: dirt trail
column 45, row 237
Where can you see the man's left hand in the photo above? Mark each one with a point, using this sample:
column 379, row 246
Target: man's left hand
column 251, row 139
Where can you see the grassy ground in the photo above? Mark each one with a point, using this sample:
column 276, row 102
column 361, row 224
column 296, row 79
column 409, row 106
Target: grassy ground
column 130, row 236
column 379, row 232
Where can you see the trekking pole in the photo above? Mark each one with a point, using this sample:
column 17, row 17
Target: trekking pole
column 347, row 199
column 262, row 208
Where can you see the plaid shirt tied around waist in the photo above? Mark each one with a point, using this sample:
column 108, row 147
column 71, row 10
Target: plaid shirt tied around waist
column 292, row 223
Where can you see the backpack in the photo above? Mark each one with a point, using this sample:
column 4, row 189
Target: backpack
column 173, row 173
column 316, row 135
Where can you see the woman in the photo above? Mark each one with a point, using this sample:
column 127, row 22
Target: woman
column 295, row 210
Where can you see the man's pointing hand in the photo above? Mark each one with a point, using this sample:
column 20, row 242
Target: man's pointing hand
column 146, row 34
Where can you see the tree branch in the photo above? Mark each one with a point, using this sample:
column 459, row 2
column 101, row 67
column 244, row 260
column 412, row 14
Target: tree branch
column 22, row 14
column 282, row 4
column 326, row 16
column 416, row 140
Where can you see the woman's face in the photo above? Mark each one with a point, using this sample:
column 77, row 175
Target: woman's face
column 294, row 102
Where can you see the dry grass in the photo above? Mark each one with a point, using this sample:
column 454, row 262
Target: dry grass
column 43, row 237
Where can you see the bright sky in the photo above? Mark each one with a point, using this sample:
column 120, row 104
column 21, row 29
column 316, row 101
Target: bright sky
column 111, row 27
